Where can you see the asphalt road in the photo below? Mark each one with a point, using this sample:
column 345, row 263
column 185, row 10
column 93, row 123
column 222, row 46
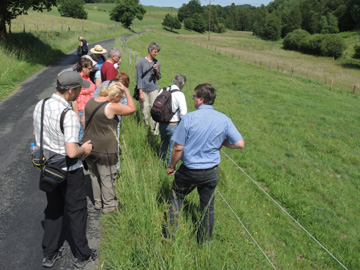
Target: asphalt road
column 21, row 202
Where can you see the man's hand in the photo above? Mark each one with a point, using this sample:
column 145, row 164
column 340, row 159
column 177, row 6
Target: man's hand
column 170, row 170
column 87, row 147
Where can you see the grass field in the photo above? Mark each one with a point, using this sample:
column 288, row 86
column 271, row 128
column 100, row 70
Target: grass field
column 301, row 147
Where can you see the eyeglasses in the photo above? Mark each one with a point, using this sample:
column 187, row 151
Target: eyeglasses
column 193, row 96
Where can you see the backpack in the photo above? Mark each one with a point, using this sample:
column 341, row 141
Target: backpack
column 92, row 74
column 84, row 47
column 161, row 110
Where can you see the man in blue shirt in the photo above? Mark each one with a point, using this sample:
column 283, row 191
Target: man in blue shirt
column 198, row 140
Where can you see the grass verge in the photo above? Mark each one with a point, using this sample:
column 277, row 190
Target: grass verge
column 301, row 148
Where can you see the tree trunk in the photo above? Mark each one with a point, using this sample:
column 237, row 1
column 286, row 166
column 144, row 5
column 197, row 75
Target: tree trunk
column 3, row 12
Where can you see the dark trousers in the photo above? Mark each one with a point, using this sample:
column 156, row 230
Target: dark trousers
column 186, row 180
column 72, row 195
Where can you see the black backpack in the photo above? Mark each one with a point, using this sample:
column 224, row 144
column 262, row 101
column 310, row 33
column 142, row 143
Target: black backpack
column 84, row 47
column 161, row 110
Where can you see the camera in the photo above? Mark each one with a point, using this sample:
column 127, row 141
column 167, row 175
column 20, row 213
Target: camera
column 153, row 78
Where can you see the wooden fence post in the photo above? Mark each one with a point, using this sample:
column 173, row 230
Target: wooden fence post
column 354, row 89
column 24, row 28
column 292, row 71
column 332, row 82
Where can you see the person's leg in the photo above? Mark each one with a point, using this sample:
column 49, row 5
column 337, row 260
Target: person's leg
column 95, row 183
column 170, row 131
column 153, row 125
column 81, row 132
column 108, row 195
column 76, row 205
column 206, row 191
column 182, row 186
column 164, row 140
column 54, row 213
column 144, row 107
column 118, row 152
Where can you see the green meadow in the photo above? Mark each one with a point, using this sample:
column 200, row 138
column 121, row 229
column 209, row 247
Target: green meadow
column 301, row 148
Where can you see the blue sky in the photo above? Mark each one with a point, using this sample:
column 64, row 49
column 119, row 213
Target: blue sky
column 178, row 3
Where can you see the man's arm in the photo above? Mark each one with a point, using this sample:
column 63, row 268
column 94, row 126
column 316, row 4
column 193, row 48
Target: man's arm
column 237, row 145
column 74, row 151
column 175, row 157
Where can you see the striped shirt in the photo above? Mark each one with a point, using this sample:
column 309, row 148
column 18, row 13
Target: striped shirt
column 53, row 139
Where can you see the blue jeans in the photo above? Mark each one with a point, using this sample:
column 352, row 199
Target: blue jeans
column 186, row 180
column 81, row 132
column 166, row 132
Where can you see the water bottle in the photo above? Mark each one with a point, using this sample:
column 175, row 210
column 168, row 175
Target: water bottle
column 33, row 149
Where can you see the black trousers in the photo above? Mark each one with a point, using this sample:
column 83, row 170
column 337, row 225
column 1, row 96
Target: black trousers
column 71, row 194
column 186, row 180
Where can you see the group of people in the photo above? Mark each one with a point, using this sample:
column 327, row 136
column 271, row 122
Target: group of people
column 90, row 134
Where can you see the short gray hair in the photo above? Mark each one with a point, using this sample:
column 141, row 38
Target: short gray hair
column 113, row 51
column 179, row 80
column 154, row 45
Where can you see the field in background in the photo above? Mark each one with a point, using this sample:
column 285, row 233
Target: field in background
column 301, row 147
column 247, row 48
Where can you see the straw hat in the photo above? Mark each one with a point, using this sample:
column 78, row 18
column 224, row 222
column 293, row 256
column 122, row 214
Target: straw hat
column 98, row 49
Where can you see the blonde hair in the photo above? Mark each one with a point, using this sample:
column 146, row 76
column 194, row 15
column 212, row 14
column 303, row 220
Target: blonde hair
column 80, row 38
column 110, row 91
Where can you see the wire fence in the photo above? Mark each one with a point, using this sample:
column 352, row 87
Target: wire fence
column 292, row 218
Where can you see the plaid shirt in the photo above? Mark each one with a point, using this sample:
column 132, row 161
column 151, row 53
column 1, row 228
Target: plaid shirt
column 85, row 94
column 53, row 139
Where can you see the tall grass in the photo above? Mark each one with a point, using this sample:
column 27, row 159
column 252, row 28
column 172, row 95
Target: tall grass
column 301, row 147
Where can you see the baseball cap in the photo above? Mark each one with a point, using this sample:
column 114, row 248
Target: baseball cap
column 71, row 80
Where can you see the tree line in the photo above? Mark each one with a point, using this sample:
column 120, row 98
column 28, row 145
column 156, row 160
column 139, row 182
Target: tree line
column 271, row 22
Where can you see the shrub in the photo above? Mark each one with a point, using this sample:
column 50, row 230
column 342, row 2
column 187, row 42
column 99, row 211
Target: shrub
column 312, row 44
column 220, row 28
column 293, row 40
column 189, row 23
column 73, row 8
column 357, row 52
column 332, row 45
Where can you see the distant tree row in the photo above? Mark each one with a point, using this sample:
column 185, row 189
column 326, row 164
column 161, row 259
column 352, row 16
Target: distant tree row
column 277, row 19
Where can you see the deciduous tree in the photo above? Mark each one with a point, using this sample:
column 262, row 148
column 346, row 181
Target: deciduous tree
column 10, row 9
column 171, row 22
column 72, row 8
column 126, row 11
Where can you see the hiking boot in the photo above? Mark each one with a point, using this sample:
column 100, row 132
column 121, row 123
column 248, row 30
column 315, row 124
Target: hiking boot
column 81, row 263
column 49, row 262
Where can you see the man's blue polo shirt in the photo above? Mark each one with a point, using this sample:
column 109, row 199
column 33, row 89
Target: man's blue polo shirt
column 202, row 132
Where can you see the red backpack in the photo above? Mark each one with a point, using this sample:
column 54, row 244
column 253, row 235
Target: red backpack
column 161, row 110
